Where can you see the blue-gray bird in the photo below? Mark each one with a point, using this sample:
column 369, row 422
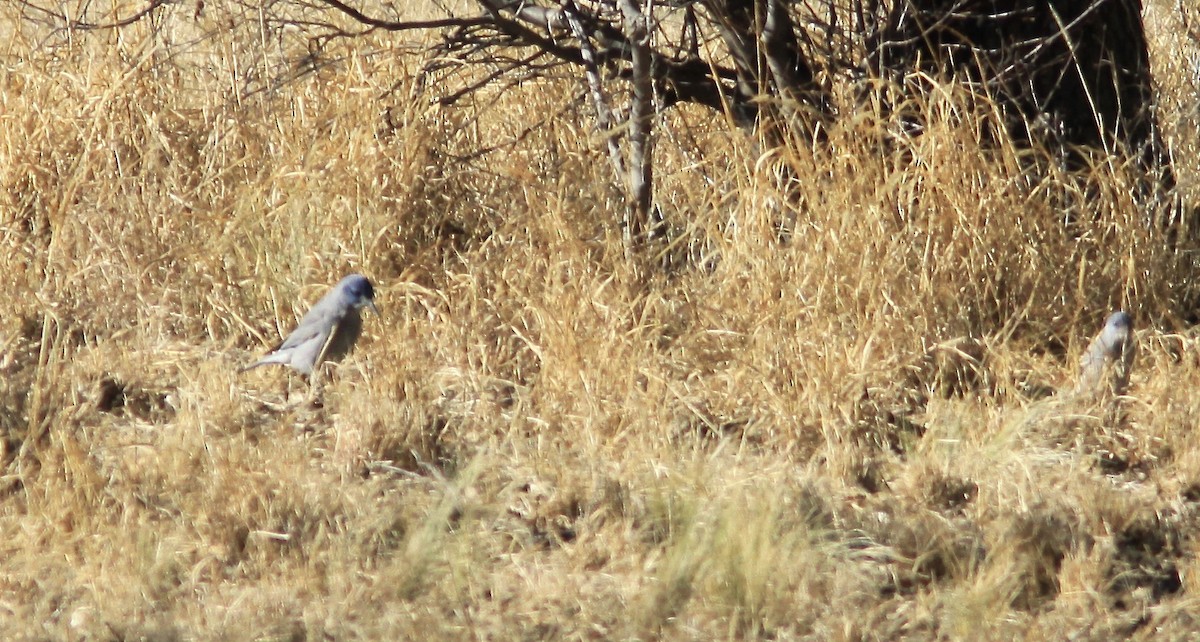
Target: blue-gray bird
column 1109, row 357
column 328, row 331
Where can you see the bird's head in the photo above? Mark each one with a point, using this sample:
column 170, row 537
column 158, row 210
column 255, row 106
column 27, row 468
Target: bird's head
column 361, row 294
column 1118, row 331
column 1119, row 322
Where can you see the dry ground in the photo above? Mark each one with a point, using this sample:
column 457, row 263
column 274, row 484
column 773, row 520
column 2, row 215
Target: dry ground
column 844, row 432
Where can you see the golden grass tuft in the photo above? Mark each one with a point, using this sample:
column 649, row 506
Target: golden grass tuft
column 819, row 410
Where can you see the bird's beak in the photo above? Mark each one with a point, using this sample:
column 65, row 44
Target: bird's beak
column 371, row 304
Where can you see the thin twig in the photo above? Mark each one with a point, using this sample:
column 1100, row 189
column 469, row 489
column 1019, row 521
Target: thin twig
column 86, row 26
column 411, row 25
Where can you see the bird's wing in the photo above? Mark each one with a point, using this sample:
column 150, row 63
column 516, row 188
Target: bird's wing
column 304, row 333
column 317, row 322
column 1091, row 365
column 306, row 346
column 328, row 311
column 307, row 355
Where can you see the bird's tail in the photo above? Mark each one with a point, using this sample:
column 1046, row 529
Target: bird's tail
column 267, row 360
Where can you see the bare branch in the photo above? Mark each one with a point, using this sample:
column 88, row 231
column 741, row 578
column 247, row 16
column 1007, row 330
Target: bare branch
column 596, row 90
column 85, row 26
column 415, row 25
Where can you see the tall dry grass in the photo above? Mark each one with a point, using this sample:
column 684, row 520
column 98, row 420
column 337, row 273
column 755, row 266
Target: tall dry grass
column 817, row 411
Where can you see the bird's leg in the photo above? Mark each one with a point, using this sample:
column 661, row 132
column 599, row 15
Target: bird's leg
column 315, row 382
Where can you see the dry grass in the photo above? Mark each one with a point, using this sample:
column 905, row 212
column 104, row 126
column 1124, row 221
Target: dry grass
column 771, row 437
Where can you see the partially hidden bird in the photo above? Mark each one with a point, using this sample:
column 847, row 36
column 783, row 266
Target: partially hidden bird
column 329, row 329
column 1108, row 361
